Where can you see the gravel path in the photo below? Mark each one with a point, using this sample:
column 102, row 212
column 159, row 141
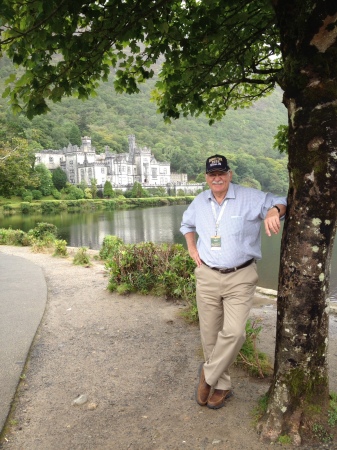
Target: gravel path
column 117, row 372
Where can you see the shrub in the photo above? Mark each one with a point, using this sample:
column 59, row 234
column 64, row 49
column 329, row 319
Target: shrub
column 42, row 236
column 147, row 267
column 60, row 248
column 87, row 193
column 75, row 193
column 81, row 257
column 40, row 245
column 48, row 207
column 59, row 178
column 13, row 237
column 110, row 247
column 37, row 195
column 3, row 236
column 43, row 230
column 71, row 204
column 108, row 192
column 109, row 204
column 27, row 198
column 157, row 192
column 24, row 193
column 56, row 194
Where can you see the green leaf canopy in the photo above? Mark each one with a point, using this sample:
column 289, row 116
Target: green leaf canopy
column 215, row 54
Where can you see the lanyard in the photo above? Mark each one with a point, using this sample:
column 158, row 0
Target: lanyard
column 218, row 220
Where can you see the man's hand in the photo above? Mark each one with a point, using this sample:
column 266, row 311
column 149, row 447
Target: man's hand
column 272, row 222
column 192, row 248
column 194, row 254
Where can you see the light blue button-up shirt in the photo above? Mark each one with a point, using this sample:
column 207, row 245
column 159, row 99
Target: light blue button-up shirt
column 239, row 228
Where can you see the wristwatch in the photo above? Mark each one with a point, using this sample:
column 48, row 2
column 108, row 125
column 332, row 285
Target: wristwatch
column 278, row 209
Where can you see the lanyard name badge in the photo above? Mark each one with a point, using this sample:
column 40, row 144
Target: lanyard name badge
column 216, row 240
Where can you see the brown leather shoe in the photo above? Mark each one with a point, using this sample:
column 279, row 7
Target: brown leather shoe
column 218, row 398
column 203, row 389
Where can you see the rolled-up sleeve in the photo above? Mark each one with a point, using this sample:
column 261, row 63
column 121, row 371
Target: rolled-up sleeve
column 188, row 220
column 272, row 200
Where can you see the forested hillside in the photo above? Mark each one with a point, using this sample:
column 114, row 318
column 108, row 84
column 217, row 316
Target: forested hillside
column 245, row 136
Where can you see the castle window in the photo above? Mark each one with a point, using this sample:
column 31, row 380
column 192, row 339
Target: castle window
column 71, row 162
column 51, row 159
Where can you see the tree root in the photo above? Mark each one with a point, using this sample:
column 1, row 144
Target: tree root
column 275, row 423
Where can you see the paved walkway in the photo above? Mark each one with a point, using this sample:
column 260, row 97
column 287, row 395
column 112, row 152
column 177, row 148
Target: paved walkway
column 23, row 296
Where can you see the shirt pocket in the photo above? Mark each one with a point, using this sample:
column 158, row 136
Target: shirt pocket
column 235, row 225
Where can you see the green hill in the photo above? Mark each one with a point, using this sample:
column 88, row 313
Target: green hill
column 110, row 117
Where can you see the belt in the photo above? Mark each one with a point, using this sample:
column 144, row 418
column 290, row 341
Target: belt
column 232, row 269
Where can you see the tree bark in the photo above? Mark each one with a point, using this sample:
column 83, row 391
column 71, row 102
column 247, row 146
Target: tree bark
column 299, row 394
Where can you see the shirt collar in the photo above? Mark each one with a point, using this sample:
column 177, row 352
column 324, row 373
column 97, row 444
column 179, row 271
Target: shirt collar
column 230, row 193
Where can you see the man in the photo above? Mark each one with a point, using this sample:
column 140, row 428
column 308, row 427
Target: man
column 227, row 219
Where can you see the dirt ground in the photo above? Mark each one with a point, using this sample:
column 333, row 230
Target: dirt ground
column 131, row 363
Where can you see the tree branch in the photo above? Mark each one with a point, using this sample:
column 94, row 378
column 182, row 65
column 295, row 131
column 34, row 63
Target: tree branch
column 30, row 30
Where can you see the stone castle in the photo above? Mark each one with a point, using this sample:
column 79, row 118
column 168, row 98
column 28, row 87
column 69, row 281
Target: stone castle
column 82, row 164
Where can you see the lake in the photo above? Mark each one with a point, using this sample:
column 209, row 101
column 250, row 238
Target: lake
column 159, row 224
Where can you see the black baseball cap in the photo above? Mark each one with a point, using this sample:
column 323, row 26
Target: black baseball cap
column 217, row 163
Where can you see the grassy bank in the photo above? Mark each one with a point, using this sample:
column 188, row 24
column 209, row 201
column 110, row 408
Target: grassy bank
column 56, row 206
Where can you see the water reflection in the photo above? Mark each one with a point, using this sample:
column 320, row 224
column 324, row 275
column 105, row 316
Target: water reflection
column 160, row 225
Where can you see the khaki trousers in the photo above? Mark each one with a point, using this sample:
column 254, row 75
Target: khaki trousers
column 224, row 302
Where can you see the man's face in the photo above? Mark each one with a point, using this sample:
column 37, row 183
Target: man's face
column 219, row 181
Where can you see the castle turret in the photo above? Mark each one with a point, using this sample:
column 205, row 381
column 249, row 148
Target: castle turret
column 132, row 146
column 86, row 144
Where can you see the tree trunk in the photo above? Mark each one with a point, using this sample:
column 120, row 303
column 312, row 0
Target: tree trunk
column 299, row 395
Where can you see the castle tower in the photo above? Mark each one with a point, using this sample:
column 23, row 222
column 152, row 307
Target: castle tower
column 86, row 144
column 132, row 146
